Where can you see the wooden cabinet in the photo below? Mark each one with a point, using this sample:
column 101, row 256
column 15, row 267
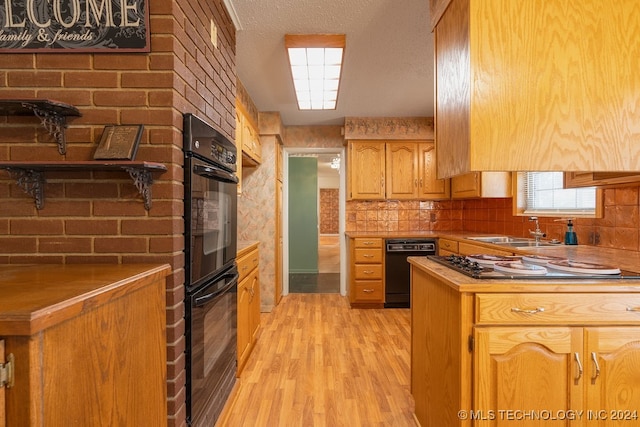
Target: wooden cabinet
column 465, row 248
column 88, row 343
column 512, row 363
column 489, row 348
column 530, row 342
column 248, row 146
column 453, row 247
column 429, row 186
column 366, row 271
column 599, row 179
column 481, row 184
column 396, row 170
column 447, row 247
column 401, row 170
column 366, row 170
column 527, row 88
column 248, row 302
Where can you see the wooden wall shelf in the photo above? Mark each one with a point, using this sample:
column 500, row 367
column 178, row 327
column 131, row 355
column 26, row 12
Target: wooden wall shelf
column 52, row 114
column 30, row 175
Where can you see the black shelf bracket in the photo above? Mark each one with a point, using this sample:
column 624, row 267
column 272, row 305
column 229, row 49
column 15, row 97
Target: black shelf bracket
column 32, row 182
column 53, row 122
column 143, row 180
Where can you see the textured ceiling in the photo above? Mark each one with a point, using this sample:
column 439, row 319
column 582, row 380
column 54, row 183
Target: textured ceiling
column 388, row 61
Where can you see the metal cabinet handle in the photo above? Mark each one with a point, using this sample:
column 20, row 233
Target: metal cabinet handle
column 527, row 311
column 577, row 356
column 416, row 182
column 367, row 243
column 367, row 291
column 596, row 374
column 636, row 309
column 367, row 256
column 368, row 271
column 420, row 182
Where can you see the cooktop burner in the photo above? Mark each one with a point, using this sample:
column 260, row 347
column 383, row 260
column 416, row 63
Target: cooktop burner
column 483, row 266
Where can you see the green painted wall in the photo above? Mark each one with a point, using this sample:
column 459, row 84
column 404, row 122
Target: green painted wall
column 303, row 215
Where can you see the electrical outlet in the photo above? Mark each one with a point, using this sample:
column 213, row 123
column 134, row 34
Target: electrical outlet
column 214, row 34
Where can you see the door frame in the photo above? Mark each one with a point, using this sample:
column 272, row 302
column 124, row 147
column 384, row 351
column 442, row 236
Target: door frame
column 289, row 151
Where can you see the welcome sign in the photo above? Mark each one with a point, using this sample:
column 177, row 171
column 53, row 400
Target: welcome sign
column 74, row 26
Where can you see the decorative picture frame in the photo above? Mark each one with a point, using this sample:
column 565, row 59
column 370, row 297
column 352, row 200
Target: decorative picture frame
column 119, row 142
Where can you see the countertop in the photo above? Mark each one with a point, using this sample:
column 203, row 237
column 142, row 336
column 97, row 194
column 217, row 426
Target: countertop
column 245, row 246
column 625, row 260
column 36, row 297
column 463, row 283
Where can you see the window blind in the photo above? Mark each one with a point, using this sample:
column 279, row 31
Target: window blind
column 545, row 194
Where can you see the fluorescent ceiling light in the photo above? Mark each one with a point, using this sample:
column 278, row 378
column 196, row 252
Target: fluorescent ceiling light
column 316, row 65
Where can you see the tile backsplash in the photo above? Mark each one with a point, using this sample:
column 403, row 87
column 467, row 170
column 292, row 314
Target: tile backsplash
column 619, row 228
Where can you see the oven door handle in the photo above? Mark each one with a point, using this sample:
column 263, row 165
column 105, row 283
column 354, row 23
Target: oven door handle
column 200, row 301
column 215, row 173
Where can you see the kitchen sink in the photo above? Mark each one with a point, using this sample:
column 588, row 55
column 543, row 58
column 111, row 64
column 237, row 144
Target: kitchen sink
column 516, row 242
column 499, row 239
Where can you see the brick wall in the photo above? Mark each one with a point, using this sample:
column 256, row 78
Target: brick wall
column 98, row 216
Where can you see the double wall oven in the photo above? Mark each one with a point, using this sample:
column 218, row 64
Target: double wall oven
column 210, row 206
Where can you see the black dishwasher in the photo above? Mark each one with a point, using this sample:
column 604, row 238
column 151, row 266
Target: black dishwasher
column 397, row 268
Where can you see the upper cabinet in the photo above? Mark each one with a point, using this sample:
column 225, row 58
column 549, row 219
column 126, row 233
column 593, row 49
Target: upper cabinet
column 537, row 85
column 397, row 170
column 366, row 170
column 250, row 138
column 481, row 184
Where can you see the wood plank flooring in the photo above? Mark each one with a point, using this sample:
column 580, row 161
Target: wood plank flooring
column 318, row 362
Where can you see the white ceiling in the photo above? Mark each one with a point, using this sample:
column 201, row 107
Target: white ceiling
column 388, row 60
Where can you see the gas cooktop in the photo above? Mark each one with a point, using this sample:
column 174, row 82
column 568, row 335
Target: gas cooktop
column 484, row 266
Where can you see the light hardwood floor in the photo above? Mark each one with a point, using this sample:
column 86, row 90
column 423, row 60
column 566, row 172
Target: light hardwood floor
column 318, row 362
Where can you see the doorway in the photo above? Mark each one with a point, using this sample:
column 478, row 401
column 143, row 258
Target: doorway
column 313, row 208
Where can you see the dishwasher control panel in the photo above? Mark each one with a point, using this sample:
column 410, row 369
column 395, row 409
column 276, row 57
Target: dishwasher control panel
column 411, row 245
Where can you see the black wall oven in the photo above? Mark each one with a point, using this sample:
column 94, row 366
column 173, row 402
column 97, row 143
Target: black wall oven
column 210, row 206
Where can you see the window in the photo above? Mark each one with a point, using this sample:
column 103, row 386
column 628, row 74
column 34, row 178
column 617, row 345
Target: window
column 543, row 194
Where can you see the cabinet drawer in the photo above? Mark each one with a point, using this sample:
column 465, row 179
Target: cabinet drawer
column 471, row 249
column 368, row 271
column 448, row 245
column 247, row 263
column 366, row 255
column 368, row 291
column 361, row 242
column 564, row 309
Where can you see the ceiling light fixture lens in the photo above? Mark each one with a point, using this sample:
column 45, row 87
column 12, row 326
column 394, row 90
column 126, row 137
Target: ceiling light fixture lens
column 316, row 64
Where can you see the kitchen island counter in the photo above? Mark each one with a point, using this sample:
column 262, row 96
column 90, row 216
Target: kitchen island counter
column 482, row 346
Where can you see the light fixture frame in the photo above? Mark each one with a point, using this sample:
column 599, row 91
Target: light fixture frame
column 315, row 41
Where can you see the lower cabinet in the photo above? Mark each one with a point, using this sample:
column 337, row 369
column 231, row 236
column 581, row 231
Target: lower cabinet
column 86, row 345
column 248, row 303
column 366, row 271
column 568, row 363
column 491, row 359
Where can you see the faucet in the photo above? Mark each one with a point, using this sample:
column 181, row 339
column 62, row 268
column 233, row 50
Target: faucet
column 537, row 233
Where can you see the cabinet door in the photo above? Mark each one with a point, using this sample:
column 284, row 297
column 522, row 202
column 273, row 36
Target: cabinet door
column 244, row 336
column 464, row 186
column 429, row 186
column 3, row 414
column 612, row 375
column 254, row 303
column 527, row 369
column 239, row 125
column 402, row 170
column 367, row 170
column 481, row 184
